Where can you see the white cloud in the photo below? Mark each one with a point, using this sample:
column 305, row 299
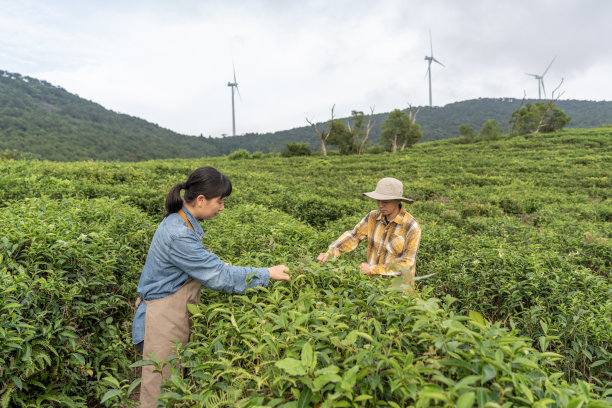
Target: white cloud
column 169, row 63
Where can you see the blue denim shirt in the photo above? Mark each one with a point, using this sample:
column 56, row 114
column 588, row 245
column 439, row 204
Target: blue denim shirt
column 176, row 253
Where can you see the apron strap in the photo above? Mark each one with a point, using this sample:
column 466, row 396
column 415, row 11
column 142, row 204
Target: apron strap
column 184, row 217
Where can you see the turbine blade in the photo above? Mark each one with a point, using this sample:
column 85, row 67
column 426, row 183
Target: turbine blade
column 551, row 62
column 234, row 68
column 427, row 72
column 438, row 62
column 430, row 43
column 543, row 89
column 238, row 90
column 533, row 75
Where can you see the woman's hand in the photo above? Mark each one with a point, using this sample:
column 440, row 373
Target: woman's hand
column 278, row 273
column 323, row 256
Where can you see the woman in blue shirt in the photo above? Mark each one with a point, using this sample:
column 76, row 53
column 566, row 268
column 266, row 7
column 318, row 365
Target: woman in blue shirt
column 177, row 266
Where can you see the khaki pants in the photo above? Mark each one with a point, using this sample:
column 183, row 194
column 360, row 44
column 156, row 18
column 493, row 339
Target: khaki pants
column 166, row 320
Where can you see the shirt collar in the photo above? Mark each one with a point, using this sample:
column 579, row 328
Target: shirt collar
column 399, row 218
column 197, row 228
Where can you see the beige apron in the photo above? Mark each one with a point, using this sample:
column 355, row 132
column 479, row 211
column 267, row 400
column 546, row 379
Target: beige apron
column 166, row 320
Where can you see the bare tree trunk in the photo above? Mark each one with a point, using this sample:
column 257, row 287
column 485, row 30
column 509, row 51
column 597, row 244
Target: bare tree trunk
column 318, row 132
column 412, row 116
column 322, row 135
column 549, row 107
column 394, row 144
column 369, row 127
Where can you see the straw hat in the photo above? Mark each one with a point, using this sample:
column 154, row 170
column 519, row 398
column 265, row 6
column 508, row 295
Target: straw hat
column 389, row 188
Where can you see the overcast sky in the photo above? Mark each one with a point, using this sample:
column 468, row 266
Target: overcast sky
column 169, row 62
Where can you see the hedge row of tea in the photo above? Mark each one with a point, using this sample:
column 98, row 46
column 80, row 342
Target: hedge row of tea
column 517, row 232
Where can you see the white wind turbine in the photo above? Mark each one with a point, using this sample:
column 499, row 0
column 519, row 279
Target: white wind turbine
column 234, row 85
column 429, row 60
column 540, row 79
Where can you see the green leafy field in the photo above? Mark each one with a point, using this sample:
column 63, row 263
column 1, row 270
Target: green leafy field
column 518, row 313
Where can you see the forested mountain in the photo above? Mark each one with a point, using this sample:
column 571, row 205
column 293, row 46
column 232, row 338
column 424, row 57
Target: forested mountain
column 51, row 123
column 48, row 122
column 436, row 122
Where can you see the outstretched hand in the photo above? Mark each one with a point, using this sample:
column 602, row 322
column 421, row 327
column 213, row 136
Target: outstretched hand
column 323, row 256
column 278, row 273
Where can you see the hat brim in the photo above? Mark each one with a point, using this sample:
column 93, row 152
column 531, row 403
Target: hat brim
column 384, row 197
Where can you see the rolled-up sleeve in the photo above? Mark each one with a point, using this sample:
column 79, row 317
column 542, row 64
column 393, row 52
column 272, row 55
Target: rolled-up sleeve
column 190, row 256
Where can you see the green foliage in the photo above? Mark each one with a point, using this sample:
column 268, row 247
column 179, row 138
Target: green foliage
column 467, row 133
column 516, row 229
column 437, row 123
column 68, row 268
column 491, row 130
column 541, row 117
column 337, row 338
column 414, row 135
column 296, row 149
column 395, row 129
column 53, row 124
column 338, row 135
column 13, row 154
column 376, row 149
column 239, row 154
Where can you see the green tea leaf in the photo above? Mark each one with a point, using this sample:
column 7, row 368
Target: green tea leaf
column 466, row 400
column 291, row 366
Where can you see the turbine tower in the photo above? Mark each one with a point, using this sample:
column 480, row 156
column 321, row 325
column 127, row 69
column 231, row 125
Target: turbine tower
column 429, row 60
column 540, row 79
column 234, row 85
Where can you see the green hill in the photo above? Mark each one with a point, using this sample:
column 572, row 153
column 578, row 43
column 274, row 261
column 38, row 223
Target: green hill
column 48, row 122
column 437, row 123
column 53, row 124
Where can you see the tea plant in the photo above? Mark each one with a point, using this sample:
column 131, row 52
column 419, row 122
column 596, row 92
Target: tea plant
column 517, row 230
column 69, row 269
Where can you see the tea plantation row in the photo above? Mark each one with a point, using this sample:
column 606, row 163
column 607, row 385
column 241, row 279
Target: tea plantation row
column 516, row 231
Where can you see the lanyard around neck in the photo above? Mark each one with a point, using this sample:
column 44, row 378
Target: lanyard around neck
column 184, row 217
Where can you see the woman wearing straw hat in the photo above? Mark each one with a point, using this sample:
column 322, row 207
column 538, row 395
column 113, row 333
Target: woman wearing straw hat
column 392, row 234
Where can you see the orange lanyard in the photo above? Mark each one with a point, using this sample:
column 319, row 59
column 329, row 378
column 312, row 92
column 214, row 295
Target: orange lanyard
column 184, row 217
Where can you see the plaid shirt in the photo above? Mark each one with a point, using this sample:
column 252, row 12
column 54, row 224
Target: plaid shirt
column 392, row 243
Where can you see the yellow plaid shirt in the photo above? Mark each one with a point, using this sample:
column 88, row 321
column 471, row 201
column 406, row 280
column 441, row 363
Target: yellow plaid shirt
column 394, row 243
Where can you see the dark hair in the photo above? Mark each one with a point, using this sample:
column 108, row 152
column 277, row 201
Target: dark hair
column 206, row 181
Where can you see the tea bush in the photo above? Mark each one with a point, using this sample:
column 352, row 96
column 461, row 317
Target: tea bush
column 334, row 338
column 516, row 229
column 69, row 271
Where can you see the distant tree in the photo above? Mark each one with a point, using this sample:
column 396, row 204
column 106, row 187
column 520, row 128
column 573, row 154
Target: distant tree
column 466, row 131
column 239, row 154
column 541, row 117
column 414, row 133
column 491, row 130
column 341, row 137
column 395, row 129
column 296, row 149
column 360, row 129
column 323, row 136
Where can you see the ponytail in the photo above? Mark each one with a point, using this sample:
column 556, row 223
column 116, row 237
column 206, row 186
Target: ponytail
column 174, row 202
column 206, row 181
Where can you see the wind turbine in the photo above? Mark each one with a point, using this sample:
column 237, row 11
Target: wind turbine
column 234, row 85
column 540, row 79
column 429, row 60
